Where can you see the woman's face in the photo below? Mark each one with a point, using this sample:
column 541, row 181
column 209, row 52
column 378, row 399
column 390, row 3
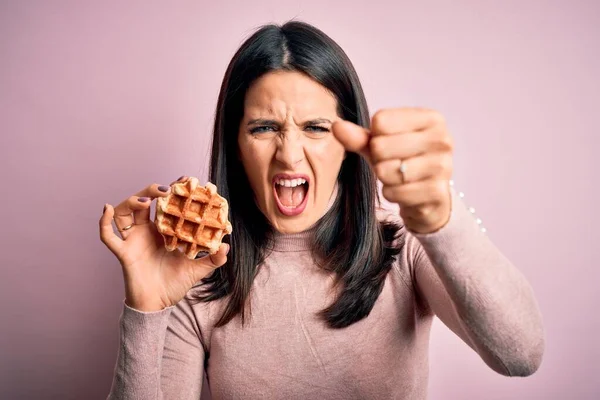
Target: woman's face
column 289, row 153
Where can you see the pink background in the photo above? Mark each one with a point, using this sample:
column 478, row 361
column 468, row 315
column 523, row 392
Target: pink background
column 99, row 100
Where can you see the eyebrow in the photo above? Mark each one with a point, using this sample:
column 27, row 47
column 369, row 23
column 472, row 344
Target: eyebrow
column 260, row 121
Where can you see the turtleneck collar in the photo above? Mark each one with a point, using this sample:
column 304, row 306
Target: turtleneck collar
column 298, row 241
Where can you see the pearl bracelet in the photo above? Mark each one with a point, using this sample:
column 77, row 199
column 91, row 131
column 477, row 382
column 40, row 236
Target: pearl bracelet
column 471, row 210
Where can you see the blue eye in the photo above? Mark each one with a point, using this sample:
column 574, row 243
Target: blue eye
column 261, row 129
column 316, row 128
column 269, row 128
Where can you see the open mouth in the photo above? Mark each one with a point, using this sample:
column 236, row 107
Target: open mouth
column 291, row 193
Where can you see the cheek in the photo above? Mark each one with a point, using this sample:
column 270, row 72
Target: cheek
column 255, row 161
column 330, row 154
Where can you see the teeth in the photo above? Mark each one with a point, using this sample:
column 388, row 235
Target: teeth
column 291, row 182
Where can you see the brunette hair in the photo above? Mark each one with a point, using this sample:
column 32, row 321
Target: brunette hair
column 349, row 240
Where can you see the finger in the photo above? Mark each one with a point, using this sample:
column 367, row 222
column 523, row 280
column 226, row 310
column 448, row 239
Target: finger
column 402, row 120
column 126, row 222
column 139, row 204
column 353, row 137
column 141, row 215
column 182, row 178
column 107, row 234
column 388, row 172
column 426, row 166
column 206, row 264
column 410, row 144
column 402, row 146
column 220, row 257
column 431, row 191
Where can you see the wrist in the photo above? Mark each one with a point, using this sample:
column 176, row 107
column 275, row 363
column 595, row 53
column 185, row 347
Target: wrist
column 144, row 306
column 143, row 303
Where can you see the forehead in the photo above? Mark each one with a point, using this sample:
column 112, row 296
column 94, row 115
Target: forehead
column 281, row 92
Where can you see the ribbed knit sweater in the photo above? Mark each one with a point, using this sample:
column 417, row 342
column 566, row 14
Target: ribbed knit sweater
column 284, row 351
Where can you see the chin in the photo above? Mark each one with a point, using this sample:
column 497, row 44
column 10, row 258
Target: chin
column 292, row 227
column 286, row 225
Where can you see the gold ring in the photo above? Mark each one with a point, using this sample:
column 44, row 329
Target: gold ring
column 126, row 228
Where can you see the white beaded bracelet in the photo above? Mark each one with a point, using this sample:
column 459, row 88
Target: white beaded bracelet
column 471, row 209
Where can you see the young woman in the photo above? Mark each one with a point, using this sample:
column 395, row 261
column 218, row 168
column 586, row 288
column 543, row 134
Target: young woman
column 320, row 293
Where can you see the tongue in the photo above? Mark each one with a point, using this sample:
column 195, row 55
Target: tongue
column 291, row 197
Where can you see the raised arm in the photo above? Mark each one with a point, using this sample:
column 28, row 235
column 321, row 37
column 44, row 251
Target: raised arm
column 478, row 293
column 462, row 276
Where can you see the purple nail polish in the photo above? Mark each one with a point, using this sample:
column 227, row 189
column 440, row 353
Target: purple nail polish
column 163, row 188
column 143, row 199
column 181, row 177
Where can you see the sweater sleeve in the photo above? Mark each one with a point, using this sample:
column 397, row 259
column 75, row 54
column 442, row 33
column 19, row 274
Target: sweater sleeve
column 478, row 293
column 161, row 355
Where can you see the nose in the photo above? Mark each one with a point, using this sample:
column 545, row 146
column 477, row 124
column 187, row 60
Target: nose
column 290, row 150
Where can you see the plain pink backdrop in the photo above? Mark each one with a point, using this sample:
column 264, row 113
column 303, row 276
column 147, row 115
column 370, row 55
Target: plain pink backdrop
column 99, row 100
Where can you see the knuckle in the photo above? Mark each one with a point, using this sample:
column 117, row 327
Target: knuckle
column 424, row 111
column 442, row 164
column 440, row 187
column 448, row 163
column 418, row 212
column 380, row 170
column 385, row 190
column 378, row 120
column 442, row 140
column 447, row 141
column 377, row 147
column 437, row 118
column 406, row 214
column 124, row 205
column 424, row 211
column 390, row 191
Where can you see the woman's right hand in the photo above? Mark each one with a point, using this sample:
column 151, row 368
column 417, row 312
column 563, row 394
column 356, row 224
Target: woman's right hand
column 155, row 278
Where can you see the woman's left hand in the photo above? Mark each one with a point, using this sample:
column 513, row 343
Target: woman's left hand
column 410, row 151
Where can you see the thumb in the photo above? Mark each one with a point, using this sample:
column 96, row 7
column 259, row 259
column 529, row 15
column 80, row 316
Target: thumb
column 353, row 137
column 206, row 265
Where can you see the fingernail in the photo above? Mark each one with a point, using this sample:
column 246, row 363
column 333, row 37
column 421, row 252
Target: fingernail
column 201, row 254
column 227, row 247
column 163, row 188
column 181, row 177
column 143, row 199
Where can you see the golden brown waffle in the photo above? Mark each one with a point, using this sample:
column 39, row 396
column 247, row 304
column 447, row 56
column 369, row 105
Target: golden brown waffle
column 193, row 218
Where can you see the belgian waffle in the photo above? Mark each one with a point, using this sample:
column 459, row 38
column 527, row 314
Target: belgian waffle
column 193, row 218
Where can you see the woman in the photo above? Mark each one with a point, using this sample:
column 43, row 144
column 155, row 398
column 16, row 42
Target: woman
column 320, row 292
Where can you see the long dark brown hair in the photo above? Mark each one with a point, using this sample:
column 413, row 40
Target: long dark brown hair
column 349, row 241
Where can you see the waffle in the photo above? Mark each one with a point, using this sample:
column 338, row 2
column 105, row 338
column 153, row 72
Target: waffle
column 192, row 218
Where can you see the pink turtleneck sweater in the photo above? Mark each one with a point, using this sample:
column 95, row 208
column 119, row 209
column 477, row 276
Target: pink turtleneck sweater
column 286, row 352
